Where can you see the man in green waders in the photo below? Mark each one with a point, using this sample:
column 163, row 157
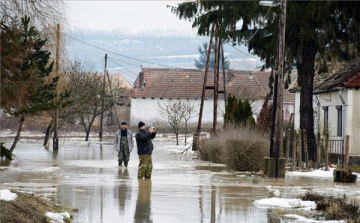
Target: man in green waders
column 145, row 148
column 123, row 144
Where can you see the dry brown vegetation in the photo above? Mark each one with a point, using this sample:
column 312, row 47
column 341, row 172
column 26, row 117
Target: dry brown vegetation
column 240, row 148
column 335, row 208
column 28, row 208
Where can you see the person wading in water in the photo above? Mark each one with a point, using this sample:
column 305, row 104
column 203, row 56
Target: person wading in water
column 123, row 144
column 145, row 148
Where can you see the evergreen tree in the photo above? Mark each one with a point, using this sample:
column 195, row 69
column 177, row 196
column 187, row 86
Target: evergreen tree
column 25, row 84
column 201, row 63
column 330, row 29
column 265, row 116
column 238, row 112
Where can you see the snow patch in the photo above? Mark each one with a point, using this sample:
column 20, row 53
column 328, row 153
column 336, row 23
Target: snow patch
column 57, row 217
column 7, row 195
column 285, row 203
column 302, row 219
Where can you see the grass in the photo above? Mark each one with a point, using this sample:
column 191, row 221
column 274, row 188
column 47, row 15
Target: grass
column 29, row 208
column 335, row 208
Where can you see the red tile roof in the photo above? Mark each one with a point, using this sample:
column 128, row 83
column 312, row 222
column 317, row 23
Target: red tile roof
column 346, row 77
column 263, row 79
column 188, row 83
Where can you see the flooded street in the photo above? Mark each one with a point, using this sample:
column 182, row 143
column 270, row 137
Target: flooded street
column 86, row 176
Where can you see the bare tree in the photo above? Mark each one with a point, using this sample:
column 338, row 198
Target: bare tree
column 173, row 113
column 85, row 89
column 189, row 109
column 43, row 13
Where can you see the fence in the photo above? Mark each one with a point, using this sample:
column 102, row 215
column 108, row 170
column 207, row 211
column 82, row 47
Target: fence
column 303, row 152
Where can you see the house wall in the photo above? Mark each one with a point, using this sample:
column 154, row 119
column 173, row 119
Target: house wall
column 354, row 119
column 351, row 116
column 147, row 110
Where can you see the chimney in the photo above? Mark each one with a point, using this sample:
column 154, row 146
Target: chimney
column 141, row 79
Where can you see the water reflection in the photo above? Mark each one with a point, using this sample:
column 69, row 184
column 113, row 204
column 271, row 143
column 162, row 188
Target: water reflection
column 124, row 190
column 143, row 203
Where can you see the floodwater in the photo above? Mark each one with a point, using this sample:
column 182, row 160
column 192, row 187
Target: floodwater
column 85, row 175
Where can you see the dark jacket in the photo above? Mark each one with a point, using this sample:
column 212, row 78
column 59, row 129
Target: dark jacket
column 143, row 142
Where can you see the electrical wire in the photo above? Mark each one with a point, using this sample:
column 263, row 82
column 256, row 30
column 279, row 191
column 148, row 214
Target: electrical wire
column 122, row 72
column 109, row 51
column 243, row 52
column 124, row 62
column 122, row 66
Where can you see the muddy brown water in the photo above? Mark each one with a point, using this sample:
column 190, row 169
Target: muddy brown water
column 85, row 175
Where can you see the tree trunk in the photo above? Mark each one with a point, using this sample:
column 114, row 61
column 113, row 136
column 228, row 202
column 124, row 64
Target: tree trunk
column 87, row 133
column 17, row 138
column 185, row 131
column 306, row 95
column 177, row 137
column 48, row 133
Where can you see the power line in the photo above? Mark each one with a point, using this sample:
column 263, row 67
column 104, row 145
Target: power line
column 132, row 75
column 243, row 52
column 119, row 53
column 122, row 66
column 124, row 62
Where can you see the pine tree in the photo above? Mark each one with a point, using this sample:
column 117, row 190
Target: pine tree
column 313, row 28
column 201, row 62
column 26, row 85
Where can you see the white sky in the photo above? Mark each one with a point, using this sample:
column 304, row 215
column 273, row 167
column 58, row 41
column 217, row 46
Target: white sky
column 133, row 16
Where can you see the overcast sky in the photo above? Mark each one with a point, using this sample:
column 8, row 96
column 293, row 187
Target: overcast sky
column 131, row 15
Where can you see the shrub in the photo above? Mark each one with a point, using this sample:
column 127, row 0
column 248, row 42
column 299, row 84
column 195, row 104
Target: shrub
column 240, row 148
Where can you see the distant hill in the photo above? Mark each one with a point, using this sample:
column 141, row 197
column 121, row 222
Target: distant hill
column 168, row 48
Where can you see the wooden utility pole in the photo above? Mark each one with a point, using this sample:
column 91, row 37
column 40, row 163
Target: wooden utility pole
column 114, row 101
column 205, row 80
column 56, row 138
column 102, row 101
column 279, row 105
column 223, row 67
column 216, row 83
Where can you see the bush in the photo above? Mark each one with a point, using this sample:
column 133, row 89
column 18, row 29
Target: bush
column 240, row 148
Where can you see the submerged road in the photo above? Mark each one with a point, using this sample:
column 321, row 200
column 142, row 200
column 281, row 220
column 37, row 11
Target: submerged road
column 86, row 176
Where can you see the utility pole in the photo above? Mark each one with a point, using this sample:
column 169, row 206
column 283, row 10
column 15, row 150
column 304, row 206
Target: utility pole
column 55, row 138
column 102, row 101
column 279, row 109
column 205, row 81
column 223, row 67
column 216, row 83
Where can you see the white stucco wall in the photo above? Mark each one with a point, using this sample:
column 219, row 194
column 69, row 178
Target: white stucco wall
column 354, row 119
column 147, row 110
column 351, row 115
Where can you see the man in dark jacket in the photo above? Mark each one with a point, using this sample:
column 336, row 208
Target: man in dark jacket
column 145, row 148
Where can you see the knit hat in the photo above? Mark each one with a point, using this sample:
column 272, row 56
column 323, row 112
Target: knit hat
column 123, row 123
column 141, row 124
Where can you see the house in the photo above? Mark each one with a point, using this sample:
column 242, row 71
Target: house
column 338, row 104
column 336, row 107
column 122, row 104
column 288, row 98
column 158, row 85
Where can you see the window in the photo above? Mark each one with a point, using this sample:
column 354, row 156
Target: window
column 339, row 121
column 326, row 119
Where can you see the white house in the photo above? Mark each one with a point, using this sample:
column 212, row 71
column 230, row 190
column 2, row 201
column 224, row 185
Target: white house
column 337, row 106
column 339, row 101
column 155, row 85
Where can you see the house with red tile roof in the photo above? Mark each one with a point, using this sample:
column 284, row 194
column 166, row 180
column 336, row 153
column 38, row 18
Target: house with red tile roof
column 336, row 106
column 339, row 105
column 158, row 85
